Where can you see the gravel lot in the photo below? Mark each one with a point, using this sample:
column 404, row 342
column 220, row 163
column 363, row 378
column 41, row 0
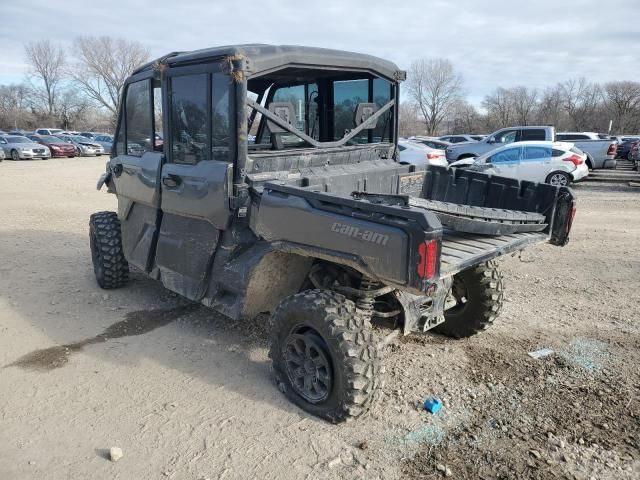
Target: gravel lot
column 188, row 395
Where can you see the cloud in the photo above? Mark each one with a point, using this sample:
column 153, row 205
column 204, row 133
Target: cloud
column 494, row 42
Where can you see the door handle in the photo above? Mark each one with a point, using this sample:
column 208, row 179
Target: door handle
column 171, row 181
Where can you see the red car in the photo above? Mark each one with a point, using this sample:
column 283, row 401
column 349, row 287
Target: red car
column 59, row 148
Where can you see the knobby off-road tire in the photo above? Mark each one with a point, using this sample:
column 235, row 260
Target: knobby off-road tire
column 109, row 264
column 325, row 357
column 482, row 288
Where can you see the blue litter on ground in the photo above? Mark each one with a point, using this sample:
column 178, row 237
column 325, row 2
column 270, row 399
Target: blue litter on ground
column 432, row 405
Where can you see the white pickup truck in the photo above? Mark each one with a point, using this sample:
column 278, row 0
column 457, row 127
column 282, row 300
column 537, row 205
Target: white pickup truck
column 600, row 153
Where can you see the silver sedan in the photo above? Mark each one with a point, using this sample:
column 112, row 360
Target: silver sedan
column 84, row 146
column 18, row 147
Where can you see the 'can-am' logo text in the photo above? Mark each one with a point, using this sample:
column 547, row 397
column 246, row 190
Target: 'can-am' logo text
column 355, row 232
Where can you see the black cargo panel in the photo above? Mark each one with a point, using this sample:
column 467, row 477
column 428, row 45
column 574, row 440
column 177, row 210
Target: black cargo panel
column 478, row 189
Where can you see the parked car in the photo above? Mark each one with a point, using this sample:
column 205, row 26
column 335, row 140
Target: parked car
column 419, row 154
column 19, row 132
column 498, row 139
column 84, row 146
column 601, row 153
column 57, row 146
column 461, row 138
column 106, row 141
column 22, row 148
column 623, row 149
column 2, row 132
column 557, row 163
column 48, row 131
column 431, row 142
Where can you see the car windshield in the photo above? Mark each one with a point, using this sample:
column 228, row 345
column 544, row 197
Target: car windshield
column 50, row 139
column 18, row 140
column 78, row 138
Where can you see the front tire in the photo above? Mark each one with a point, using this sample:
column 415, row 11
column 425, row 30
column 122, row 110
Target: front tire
column 109, row 264
column 560, row 179
column 479, row 295
column 15, row 156
column 325, row 358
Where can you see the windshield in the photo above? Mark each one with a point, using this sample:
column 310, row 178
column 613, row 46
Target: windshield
column 50, row 139
column 78, row 138
column 18, row 140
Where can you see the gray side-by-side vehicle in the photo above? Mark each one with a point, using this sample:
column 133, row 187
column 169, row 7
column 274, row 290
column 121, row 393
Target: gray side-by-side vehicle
column 314, row 221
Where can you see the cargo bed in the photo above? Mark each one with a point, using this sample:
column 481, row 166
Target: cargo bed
column 463, row 250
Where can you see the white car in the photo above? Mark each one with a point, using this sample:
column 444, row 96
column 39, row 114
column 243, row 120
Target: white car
column 557, row 163
column 419, row 154
column 48, row 131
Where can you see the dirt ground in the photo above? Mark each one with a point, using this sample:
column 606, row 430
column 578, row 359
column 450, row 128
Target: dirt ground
column 187, row 394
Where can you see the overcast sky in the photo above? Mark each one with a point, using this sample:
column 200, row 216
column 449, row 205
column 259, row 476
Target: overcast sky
column 492, row 43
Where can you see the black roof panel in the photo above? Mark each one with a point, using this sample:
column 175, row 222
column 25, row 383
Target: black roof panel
column 261, row 58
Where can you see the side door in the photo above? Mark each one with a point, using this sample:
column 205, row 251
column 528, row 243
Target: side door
column 135, row 166
column 505, row 163
column 535, row 163
column 196, row 180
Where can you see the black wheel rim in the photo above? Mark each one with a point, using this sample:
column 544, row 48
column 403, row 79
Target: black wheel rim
column 308, row 365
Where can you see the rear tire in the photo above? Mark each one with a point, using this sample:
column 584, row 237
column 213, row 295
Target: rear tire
column 561, row 179
column 109, row 264
column 482, row 289
column 325, row 358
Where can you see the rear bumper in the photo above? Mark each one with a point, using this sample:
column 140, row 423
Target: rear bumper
column 580, row 172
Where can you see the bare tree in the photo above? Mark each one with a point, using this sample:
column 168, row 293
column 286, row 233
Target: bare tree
column 581, row 100
column 499, row 107
column 550, row 110
column 410, row 122
column 525, row 103
column 47, row 62
column 623, row 101
column 14, row 105
column 103, row 64
column 72, row 109
column 434, row 86
column 465, row 117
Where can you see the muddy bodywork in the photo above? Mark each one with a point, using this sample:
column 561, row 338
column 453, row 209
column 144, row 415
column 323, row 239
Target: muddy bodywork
column 242, row 229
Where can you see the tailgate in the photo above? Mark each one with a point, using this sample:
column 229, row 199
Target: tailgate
column 463, row 250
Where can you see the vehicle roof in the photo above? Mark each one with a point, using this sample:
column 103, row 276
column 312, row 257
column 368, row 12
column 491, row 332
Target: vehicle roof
column 262, row 57
column 533, row 143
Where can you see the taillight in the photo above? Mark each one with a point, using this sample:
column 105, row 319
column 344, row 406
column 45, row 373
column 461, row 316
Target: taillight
column 434, row 155
column 612, row 149
column 575, row 159
column 427, row 263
